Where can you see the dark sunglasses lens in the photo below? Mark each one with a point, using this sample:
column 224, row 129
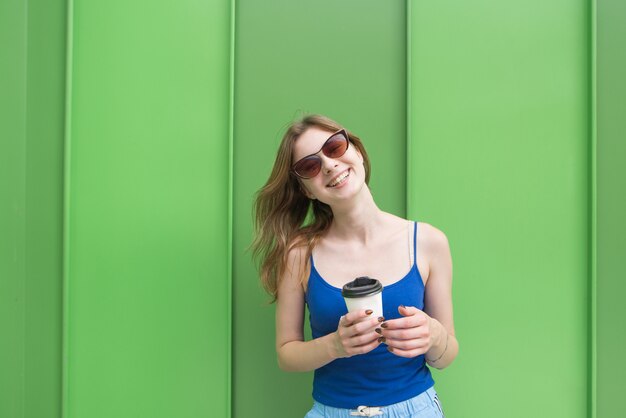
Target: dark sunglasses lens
column 308, row 167
column 335, row 146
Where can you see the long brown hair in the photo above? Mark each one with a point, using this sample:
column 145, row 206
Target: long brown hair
column 284, row 217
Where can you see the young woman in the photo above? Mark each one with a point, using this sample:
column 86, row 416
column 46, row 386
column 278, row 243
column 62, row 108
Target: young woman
column 317, row 228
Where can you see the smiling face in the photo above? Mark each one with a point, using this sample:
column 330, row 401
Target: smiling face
column 340, row 178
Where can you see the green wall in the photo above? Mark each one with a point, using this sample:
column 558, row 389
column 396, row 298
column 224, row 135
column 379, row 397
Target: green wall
column 13, row 18
column 128, row 130
column 44, row 206
column 147, row 244
column 32, row 82
column 337, row 62
column 611, row 201
column 499, row 153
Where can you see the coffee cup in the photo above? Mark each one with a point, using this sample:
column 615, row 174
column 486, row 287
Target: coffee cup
column 364, row 293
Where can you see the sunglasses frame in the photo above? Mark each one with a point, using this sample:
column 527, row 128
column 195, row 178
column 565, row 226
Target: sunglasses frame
column 345, row 134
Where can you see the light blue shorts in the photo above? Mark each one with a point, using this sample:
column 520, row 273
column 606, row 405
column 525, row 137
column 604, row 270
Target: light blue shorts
column 424, row 405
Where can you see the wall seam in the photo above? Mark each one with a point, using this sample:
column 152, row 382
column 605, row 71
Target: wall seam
column 593, row 211
column 409, row 148
column 66, row 207
column 25, row 216
column 231, row 128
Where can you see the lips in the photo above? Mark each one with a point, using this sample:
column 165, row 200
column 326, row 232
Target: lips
column 339, row 178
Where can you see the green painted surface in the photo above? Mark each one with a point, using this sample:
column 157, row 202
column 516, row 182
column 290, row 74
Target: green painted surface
column 148, row 307
column 334, row 58
column 31, row 149
column 499, row 122
column 611, row 105
column 13, row 50
column 148, row 323
column 44, row 204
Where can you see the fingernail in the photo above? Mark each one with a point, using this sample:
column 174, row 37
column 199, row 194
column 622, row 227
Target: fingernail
column 381, row 339
column 378, row 330
column 369, row 312
column 402, row 306
column 384, row 325
column 390, row 349
column 381, row 319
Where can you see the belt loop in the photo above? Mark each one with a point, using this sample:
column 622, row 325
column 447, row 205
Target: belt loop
column 431, row 393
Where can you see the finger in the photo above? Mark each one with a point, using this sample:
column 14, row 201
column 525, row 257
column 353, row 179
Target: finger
column 363, row 327
column 413, row 312
column 354, row 316
column 400, row 323
column 404, row 333
column 346, row 321
column 405, row 322
column 407, row 344
column 407, row 353
column 365, row 348
column 363, row 339
column 408, row 310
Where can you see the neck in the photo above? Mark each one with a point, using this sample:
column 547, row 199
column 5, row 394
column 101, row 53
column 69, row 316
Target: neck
column 360, row 219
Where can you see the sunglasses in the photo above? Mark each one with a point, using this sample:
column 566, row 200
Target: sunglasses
column 334, row 147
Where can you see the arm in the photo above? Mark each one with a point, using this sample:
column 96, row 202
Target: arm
column 429, row 332
column 294, row 354
column 438, row 301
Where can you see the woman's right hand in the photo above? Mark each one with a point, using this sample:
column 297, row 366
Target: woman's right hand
column 356, row 334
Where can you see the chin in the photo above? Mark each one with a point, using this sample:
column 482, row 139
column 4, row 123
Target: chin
column 351, row 192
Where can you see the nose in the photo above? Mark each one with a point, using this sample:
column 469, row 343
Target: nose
column 328, row 163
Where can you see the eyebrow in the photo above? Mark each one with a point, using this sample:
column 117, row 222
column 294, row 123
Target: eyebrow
column 330, row 135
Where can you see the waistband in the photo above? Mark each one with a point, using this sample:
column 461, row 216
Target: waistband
column 408, row 407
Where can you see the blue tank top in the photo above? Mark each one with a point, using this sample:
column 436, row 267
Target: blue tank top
column 377, row 378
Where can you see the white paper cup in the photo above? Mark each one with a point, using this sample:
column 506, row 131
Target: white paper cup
column 364, row 293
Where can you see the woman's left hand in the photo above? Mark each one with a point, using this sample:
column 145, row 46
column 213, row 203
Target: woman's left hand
column 412, row 335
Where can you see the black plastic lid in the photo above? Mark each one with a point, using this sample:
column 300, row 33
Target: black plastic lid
column 360, row 287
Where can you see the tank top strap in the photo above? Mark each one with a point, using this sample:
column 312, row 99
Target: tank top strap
column 415, row 242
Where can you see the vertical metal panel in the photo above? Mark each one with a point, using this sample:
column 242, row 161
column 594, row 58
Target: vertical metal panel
column 499, row 160
column 13, row 52
column 44, row 204
column 611, row 201
column 147, row 308
column 342, row 59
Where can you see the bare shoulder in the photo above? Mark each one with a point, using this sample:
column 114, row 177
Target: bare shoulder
column 432, row 240
column 436, row 250
column 297, row 265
